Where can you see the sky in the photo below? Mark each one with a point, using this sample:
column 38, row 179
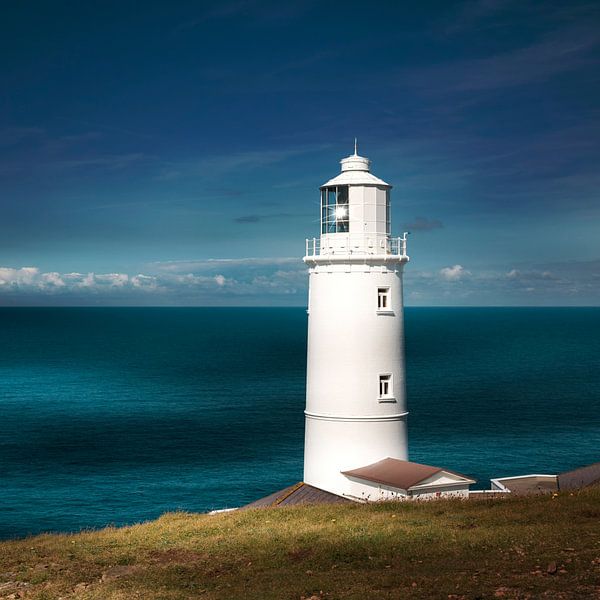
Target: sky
column 170, row 153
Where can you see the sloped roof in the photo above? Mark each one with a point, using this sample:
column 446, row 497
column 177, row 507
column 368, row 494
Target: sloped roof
column 397, row 473
column 579, row 478
column 356, row 178
column 300, row 493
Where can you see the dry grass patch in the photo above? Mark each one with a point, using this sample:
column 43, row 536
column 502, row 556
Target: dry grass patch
column 536, row 547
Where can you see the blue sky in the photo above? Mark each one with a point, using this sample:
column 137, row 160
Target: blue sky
column 170, row 153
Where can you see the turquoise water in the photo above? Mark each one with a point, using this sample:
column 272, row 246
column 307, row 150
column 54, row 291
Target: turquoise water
column 118, row 415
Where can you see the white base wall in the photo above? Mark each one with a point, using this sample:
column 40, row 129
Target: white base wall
column 364, row 492
column 333, row 446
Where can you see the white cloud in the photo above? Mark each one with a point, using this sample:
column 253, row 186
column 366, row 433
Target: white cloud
column 18, row 277
column 283, row 281
column 31, row 279
column 516, row 275
column 117, row 280
column 454, row 273
column 562, row 51
column 52, row 279
column 211, row 280
column 147, row 282
column 215, row 166
column 187, row 266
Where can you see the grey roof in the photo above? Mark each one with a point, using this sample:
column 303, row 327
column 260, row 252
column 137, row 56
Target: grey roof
column 300, row 493
column 530, row 484
column 582, row 477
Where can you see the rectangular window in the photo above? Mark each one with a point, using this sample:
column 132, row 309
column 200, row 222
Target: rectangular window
column 385, row 386
column 383, row 298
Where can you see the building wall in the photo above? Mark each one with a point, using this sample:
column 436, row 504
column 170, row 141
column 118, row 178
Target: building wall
column 333, row 446
column 362, row 490
column 350, row 345
column 456, row 492
column 368, row 209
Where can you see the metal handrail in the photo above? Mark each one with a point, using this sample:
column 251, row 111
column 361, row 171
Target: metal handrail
column 357, row 245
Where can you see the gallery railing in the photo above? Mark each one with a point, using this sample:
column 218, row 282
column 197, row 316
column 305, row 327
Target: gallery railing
column 344, row 244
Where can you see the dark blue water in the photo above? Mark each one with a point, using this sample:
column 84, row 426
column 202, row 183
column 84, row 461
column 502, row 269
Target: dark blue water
column 117, row 415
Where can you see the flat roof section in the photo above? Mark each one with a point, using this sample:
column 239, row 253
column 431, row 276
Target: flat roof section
column 529, row 484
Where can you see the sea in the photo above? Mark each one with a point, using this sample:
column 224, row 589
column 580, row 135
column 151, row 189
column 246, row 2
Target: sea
column 113, row 416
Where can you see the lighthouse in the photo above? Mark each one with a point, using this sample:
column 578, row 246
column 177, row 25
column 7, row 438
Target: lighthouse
column 355, row 400
column 356, row 446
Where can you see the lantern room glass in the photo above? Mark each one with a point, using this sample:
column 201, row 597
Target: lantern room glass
column 335, row 213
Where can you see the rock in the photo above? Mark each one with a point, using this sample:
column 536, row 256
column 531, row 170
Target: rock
column 552, row 568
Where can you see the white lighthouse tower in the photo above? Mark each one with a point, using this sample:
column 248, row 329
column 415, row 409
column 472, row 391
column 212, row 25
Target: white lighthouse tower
column 355, row 400
column 356, row 445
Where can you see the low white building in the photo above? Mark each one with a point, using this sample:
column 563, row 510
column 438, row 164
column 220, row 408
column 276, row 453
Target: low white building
column 394, row 479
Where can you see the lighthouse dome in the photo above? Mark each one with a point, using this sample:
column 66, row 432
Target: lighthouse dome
column 355, row 171
column 355, row 163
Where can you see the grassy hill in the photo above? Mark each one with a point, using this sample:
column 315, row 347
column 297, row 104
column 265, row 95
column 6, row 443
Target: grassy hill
column 535, row 547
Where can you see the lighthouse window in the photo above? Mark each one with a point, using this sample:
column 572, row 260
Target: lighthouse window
column 385, row 386
column 383, row 298
column 335, row 215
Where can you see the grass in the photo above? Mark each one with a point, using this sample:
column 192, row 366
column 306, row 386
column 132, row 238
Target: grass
column 527, row 547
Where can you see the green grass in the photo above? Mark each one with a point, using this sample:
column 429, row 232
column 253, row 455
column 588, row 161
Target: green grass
column 499, row 548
